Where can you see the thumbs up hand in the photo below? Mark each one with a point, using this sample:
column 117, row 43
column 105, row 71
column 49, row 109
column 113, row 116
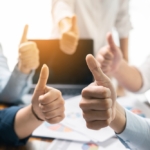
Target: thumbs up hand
column 110, row 56
column 28, row 54
column 98, row 99
column 69, row 35
column 47, row 102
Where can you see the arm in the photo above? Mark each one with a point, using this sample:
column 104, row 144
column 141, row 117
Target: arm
column 124, row 42
column 132, row 130
column 100, row 110
column 47, row 105
column 19, row 82
column 112, row 62
column 9, row 81
column 8, row 135
column 123, row 25
column 21, row 77
column 129, row 77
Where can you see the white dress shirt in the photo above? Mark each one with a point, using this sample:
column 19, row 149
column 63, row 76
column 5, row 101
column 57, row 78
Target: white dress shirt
column 95, row 17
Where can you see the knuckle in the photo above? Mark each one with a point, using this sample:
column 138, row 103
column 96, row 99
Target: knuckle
column 61, row 102
column 107, row 104
column 106, row 123
column 92, row 126
column 108, row 114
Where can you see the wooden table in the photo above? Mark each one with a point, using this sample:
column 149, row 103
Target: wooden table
column 32, row 144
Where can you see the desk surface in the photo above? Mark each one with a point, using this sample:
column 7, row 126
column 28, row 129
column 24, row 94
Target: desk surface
column 32, row 144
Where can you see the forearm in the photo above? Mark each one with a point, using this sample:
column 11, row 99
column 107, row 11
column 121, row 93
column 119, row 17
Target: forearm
column 25, row 122
column 135, row 135
column 124, row 43
column 129, row 77
column 19, row 82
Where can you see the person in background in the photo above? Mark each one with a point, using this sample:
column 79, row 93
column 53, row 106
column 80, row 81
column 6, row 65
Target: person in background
column 17, row 124
column 76, row 19
column 100, row 109
column 19, row 80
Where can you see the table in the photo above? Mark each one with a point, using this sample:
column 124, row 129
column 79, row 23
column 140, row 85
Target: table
column 32, row 144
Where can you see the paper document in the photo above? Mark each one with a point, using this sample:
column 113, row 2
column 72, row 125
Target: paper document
column 58, row 131
column 112, row 144
column 135, row 105
column 74, row 119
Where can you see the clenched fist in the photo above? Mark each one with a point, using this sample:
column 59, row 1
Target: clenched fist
column 110, row 56
column 98, row 99
column 69, row 35
column 47, row 102
column 28, row 54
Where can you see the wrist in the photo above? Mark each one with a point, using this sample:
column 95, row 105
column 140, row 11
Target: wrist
column 119, row 122
column 118, row 68
column 35, row 115
column 23, row 69
column 65, row 24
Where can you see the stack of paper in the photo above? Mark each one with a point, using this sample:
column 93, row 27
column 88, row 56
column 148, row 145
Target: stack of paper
column 112, row 144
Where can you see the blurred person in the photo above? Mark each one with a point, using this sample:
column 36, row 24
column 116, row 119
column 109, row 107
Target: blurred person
column 13, row 85
column 76, row 19
column 17, row 124
column 100, row 109
column 134, row 79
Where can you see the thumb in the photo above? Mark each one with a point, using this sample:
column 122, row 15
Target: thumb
column 111, row 42
column 24, row 35
column 43, row 78
column 74, row 23
column 95, row 69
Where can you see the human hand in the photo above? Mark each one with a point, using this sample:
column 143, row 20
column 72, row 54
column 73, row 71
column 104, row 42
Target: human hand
column 47, row 102
column 98, row 99
column 28, row 54
column 110, row 56
column 69, row 35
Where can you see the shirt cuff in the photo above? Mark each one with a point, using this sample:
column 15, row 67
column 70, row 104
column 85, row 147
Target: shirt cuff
column 7, row 133
column 135, row 132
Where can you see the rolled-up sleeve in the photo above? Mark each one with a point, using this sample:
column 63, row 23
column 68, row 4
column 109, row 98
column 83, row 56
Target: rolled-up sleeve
column 136, row 135
column 7, row 133
column 62, row 9
column 123, row 23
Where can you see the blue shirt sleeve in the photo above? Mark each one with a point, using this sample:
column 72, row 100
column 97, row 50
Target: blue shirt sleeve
column 136, row 135
column 7, row 133
column 12, row 85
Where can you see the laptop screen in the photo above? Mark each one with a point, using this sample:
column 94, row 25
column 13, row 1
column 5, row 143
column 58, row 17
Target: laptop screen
column 64, row 69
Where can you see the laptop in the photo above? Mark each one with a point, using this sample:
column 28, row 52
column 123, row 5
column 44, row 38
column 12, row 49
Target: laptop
column 68, row 73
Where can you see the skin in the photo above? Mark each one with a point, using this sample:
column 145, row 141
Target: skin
column 28, row 54
column 47, row 104
column 98, row 102
column 112, row 63
column 69, row 35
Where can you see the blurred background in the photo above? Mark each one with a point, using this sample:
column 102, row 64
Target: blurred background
column 14, row 14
